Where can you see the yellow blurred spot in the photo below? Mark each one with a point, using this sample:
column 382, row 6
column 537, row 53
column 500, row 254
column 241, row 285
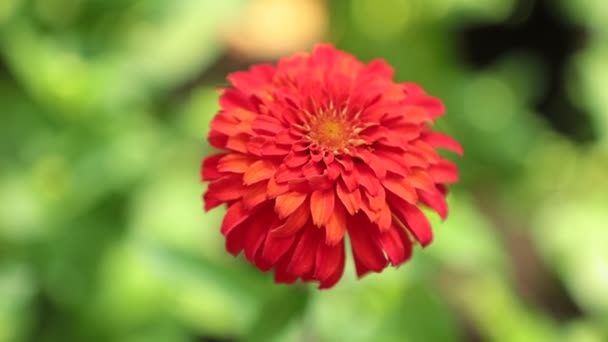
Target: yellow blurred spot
column 273, row 28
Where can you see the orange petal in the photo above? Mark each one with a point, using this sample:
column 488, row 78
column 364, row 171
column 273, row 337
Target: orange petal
column 350, row 200
column 288, row 203
column 400, row 187
column 235, row 162
column 258, row 171
column 384, row 218
column 377, row 201
column 274, row 189
column 335, row 226
column 238, row 142
column 321, row 206
column 425, row 150
column 366, row 208
column 420, row 179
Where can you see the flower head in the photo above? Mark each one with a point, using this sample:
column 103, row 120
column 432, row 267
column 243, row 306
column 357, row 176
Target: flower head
column 318, row 147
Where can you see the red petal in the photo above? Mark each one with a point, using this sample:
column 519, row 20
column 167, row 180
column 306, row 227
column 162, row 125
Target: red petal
column 321, row 206
column 350, row 200
column 235, row 215
column 413, row 219
column 322, row 182
column 346, row 162
column 293, row 223
column 267, row 124
column 376, row 202
column 374, row 133
column 285, row 174
column 209, row 169
column 227, row 188
column 329, row 264
column 255, row 145
column 275, row 247
column 436, row 201
column 444, row 172
column 397, row 245
column 351, row 179
column 328, row 158
column 255, row 236
column 368, row 179
column 271, row 149
column 294, row 160
column 432, row 105
column 367, row 210
column 254, row 195
column 258, row 171
column 312, row 169
column 333, row 171
column 415, row 115
column 393, row 161
column 303, row 258
column 367, row 252
column 243, row 117
column 412, row 159
column 379, row 68
column 223, row 123
column 335, row 226
column 281, row 274
column 412, row 88
column 442, row 140
column 253, row 79
column 300, row 185
column 285, row 137
column 425, row 150
column 373, row 162
column 316, row 155
column 288, row 203
column 235, row 240
column 218, row 140
column 232, row 98
column 405, row 133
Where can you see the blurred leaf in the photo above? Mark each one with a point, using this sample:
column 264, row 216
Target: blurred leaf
column 282, row 307
column 17, row 290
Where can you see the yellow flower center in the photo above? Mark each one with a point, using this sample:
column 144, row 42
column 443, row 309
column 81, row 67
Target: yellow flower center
column 330, row 132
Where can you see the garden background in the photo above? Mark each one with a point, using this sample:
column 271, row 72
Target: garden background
column 104, row 111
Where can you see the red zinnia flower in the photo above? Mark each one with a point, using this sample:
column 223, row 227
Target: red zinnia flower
column 319, row 146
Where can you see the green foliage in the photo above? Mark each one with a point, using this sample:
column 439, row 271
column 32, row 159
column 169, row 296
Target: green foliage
column 102, row 232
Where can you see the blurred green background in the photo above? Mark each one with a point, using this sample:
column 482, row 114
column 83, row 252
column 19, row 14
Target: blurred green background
column 104, row 111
